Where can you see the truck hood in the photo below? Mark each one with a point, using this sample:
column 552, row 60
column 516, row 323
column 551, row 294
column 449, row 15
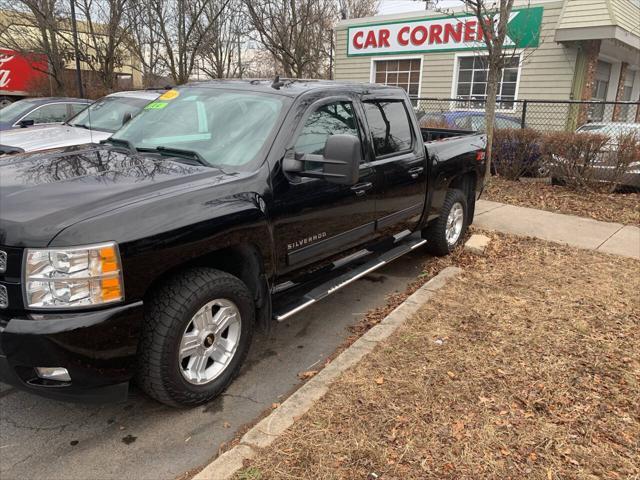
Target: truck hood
column 42, row 193
column 51, row 136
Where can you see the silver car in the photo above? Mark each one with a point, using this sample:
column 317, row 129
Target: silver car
column 91, row 125
column 606, row 168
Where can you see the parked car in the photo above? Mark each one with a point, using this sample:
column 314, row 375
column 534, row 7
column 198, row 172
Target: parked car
column 221, row 207
column 606, row 169
column 91, row 125
column 40, row 111
column 466, row 120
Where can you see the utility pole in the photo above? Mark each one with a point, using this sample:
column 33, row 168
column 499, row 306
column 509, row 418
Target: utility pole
column 74, row 28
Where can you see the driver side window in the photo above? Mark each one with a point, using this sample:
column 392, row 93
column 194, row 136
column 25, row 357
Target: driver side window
column 329, row 119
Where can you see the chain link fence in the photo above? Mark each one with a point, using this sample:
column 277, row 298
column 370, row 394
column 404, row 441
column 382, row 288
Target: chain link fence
column 541, row 115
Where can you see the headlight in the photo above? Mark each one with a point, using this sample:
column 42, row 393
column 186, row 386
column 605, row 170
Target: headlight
column 73, row 277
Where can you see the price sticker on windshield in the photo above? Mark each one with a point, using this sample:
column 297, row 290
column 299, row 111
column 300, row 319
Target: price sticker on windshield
column 169, row 95
column 156, row 106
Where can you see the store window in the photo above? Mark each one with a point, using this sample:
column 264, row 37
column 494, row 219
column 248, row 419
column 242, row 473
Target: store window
column 400, row 73
column 471, row 84
column 600, row 88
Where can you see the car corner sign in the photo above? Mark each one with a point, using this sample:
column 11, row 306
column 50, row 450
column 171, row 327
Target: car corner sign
column 442, row 34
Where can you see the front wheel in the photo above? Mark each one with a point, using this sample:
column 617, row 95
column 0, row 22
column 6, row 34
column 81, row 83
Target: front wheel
column 196, row 334
column 444, row 233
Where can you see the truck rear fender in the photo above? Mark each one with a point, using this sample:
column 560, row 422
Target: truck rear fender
column 454, row 163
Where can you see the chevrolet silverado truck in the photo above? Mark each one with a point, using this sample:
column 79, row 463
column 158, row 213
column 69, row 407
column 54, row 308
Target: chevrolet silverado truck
column 154, row 256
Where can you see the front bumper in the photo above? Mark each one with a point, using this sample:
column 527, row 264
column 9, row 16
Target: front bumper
column 97, row 348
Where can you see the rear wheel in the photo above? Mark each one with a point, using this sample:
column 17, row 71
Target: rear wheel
column 197, row 331
column 444, row 233
column 4, row 101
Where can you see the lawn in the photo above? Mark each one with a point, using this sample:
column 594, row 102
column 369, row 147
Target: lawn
column 608, row 207
column 526, row 366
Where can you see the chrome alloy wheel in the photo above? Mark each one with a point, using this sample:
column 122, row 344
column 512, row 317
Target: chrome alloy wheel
column 455, row 221
column 209, row 341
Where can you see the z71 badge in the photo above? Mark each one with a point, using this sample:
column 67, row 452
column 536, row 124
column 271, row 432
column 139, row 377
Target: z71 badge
column 306, row 241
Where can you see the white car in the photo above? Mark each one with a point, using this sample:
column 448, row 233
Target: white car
column 91, row 125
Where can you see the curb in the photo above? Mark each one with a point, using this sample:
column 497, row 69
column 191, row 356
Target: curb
column 265, row 432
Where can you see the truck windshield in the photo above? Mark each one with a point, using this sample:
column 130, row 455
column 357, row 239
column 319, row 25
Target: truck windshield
column 109, row 113
column 223, row 128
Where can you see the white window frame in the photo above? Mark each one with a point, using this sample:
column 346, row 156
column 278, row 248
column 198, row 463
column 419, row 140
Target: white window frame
column 372, row 67
column 454, row 80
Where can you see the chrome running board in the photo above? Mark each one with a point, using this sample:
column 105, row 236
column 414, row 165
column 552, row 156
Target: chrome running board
column 325, row 289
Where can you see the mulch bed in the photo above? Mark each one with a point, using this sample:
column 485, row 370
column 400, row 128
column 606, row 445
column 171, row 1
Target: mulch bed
column 527, row 366
column 608, row 207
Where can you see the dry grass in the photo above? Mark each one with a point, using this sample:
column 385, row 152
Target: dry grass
column 608, row 207
column 527, row 366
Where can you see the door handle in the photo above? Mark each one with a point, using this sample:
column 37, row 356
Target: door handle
column 415, row 172
column 361, row 188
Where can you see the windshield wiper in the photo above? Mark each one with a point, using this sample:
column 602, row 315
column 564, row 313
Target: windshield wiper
column 119, row 142
column 80, row 125
column 178, row 152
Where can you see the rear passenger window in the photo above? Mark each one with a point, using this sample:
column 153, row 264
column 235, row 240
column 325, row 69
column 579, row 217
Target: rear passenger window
column 389, row 125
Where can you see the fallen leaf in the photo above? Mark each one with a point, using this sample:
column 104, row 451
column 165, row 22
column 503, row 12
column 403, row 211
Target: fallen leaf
column 451, row 374
column 380, row 380
column 533, row 457
column 226, row 425
column 275, row 405
column 306, row 375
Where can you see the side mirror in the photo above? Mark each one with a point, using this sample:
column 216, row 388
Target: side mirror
column 26, row 123
column 340, row 162
column 126, row 117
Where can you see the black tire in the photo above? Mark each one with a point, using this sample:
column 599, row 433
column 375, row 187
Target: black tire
column 168, row 312
column 436, row 231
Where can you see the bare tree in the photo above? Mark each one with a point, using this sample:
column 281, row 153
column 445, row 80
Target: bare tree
column 222, row 50
column 297, row 33
column 33, row 27
column 144, row 39
column 494, row 26
column 102, row 38
column 183, row 28
column 357, row 8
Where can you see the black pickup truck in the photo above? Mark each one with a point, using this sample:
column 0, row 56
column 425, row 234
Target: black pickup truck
column 223, row 206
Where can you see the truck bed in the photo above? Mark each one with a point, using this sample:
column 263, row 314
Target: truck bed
column 435, row 134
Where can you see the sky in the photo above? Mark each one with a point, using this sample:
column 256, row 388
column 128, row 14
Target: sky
column 399, row 6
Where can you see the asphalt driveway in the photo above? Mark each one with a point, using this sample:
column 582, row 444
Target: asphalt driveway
column 142, row 439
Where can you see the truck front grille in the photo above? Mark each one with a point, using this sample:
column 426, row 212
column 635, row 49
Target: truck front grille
column 3, row 261
column 4, row 297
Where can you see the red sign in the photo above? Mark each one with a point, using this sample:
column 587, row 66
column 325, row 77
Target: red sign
column 18, row 73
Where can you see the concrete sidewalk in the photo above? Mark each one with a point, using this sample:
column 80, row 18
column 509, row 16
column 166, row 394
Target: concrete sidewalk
column 576, row 231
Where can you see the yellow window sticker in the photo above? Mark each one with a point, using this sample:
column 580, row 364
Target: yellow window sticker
column 169, row 95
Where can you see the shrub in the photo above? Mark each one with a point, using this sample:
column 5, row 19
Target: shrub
column 516, row 152
column 571, row 157
column 622, row 157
